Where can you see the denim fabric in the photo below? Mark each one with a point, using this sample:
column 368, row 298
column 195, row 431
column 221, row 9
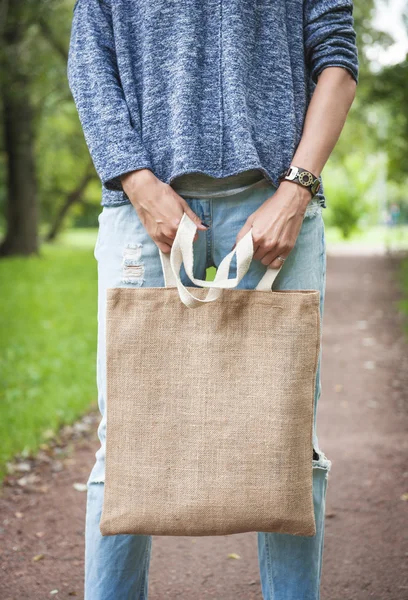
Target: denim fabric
column 117, row 566
column 201, row 85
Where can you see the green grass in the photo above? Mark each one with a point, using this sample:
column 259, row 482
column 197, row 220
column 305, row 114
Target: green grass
column 78, row 238
column 395, row 237
column 48, row 324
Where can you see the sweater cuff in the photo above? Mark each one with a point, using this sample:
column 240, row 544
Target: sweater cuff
column 325, row 62
column 111, row 178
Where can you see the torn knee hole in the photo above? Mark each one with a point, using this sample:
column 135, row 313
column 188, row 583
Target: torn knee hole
column 320, row 460
column 132, row 265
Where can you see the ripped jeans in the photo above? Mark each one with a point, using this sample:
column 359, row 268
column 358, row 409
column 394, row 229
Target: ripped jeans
column 116, row 567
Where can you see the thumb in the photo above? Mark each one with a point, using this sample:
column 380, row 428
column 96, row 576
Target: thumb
column 242, row 233
column 195, row 218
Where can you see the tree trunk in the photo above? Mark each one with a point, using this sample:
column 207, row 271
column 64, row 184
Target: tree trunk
column 72, row 198
column 22, row 212
column 18, row 115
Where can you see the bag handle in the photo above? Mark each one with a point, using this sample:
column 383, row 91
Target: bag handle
column 182, row 253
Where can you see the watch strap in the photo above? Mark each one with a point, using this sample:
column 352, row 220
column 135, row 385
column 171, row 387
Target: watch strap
column 302, row 177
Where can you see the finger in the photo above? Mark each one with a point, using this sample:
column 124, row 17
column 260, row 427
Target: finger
column 164, row 239
column 268, row 257
column 168, row 241
column 165, row 248
column 169, row 238
column 263, row 251
column 242, row 232
column 276, row 263
column 195, row 218
column 277, row 257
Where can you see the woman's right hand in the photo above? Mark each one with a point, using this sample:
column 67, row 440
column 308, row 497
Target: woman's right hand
column 158, row 206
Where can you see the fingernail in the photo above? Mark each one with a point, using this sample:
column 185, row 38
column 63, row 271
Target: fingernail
column 205, row 224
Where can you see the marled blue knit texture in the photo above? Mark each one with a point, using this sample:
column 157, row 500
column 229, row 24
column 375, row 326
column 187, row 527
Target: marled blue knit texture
column 216, row 86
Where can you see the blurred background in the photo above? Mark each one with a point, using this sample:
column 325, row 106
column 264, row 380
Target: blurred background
column 50, row 201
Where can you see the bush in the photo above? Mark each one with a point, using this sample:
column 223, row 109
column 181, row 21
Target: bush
column 349, row 191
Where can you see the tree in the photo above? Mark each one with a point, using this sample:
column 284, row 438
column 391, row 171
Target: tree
column 18, row 131
column 72, row 198
column 46, row 161
column 391, row 91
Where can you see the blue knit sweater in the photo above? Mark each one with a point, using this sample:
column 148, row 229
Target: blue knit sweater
column 215, row 86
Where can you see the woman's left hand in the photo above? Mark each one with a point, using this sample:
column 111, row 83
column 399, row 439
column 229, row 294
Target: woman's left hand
column 276, row 224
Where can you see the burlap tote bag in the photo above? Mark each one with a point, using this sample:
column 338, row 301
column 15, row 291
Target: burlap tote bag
column 210, row 411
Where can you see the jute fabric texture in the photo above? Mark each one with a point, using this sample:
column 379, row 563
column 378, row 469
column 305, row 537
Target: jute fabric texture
column 210, row 412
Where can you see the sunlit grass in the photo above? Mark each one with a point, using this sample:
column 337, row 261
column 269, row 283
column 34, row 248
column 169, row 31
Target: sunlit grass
column 48, row 340
column 78, row 238
column 389, row 237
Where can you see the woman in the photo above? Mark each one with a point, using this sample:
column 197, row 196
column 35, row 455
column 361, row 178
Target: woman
column 227, row 111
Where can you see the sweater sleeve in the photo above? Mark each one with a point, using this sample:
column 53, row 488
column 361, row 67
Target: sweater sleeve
column 114, row 142
column 330, row 38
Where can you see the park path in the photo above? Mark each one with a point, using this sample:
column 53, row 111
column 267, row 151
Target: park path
column 362, row 423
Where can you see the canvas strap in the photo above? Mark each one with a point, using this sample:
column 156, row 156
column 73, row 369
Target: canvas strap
column 182, row 253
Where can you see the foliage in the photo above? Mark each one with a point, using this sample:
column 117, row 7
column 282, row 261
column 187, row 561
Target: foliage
column 378, row 118
column 390, row 91
column 347, row 188
column 62, row 158
column 47, row 356
column 377, row 127
column 379, row 236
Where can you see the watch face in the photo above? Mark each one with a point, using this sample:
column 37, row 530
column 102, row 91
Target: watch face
column 306, row 178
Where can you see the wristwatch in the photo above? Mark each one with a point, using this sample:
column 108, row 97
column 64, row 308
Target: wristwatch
column 302, row 177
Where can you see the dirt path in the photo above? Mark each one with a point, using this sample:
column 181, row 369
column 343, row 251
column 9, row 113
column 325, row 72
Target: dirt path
column 362, row 428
